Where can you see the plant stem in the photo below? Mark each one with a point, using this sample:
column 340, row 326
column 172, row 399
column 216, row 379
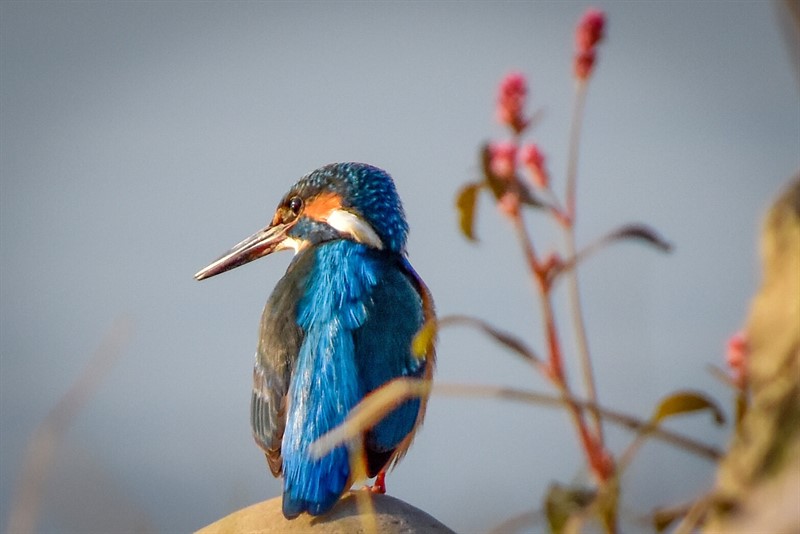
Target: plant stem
column 40, row 453
column 527, row 244
column 622, row 419
column 576, row 307
column 596, row 455
column 574, row 141
column 579, row 323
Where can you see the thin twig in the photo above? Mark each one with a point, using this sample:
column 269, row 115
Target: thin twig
column 526, row 243
column 624, row 420
column 595, row 452
column 574, row 141
column 364, row 504
column 505, row 338
column 576, row 308
column 383, row 400
column 580, row 336
column 46, row 439
column 517, row 523
column 694, row 516
column 628, row 231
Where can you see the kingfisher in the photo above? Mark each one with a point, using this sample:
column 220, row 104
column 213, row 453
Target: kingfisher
column 337, row 326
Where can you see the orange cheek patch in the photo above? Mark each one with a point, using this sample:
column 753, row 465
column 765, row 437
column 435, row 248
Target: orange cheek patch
column 320, row 207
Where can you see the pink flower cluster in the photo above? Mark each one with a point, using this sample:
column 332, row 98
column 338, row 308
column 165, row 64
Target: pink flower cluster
column 533, row 159
column 505, row 156
column 588, row 33
column 503, row 159
column 737, row 358
column 511, row 102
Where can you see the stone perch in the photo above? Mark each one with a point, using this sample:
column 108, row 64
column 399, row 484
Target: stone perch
column 392, row 516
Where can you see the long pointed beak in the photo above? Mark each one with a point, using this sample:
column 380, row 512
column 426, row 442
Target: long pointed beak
column 257, row 245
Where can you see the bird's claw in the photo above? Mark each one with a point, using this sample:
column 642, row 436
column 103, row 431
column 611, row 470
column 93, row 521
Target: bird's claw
column 379, row 486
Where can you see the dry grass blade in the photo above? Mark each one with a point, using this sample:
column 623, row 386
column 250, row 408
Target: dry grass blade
column 369, row 412
column 386, row 398
column 43, row 444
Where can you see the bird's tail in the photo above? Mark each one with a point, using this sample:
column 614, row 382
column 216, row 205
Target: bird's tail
column 317, row 486
column 323, row 390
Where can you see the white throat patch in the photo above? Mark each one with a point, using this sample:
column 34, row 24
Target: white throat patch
column 354, row 226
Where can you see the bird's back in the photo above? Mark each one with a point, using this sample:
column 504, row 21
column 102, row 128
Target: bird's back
column 346, row 315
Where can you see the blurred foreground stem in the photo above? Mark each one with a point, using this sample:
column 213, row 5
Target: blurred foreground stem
column 569, row 233
column 46, row 439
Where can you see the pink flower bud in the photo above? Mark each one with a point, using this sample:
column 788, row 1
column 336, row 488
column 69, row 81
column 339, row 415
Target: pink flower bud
column 533, row 159
column 509, row 204
column 737, row 358
column 503, row 159
column 588, row 33
column 590, row 30
column 584, row 64
column 511, row 102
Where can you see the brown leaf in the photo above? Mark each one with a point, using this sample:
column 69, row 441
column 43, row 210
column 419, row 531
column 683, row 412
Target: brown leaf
column 629, row 231
column 504, row 338
column 684, row 402
column 662, row 519
column 465, row 203
column 642, row 233
column 561, row 502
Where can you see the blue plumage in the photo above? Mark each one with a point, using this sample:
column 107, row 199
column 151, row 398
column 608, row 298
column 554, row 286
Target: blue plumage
column 338, row 325
column 331, row 309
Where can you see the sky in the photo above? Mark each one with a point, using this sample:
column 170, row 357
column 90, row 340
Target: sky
column 138, row 141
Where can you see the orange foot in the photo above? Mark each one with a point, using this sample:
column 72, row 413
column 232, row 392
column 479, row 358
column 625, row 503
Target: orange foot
column 380, row 484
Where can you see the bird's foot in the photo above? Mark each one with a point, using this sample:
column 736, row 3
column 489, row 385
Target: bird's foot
column 380, row 484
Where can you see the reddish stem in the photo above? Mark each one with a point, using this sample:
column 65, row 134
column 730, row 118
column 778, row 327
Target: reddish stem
column 599, row 460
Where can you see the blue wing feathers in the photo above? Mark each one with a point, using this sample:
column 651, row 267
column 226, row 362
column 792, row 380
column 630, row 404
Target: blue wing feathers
column 359, row 312
column 279, row 344
column 325, row 382
column 315, row 485
column 395, row 309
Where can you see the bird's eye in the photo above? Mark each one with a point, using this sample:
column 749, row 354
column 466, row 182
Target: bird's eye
column 295, row 205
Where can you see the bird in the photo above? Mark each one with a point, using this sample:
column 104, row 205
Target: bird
column 338, row 325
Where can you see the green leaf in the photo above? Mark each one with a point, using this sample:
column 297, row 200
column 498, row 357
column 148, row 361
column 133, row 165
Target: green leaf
column 465, row 203
column 683, row 402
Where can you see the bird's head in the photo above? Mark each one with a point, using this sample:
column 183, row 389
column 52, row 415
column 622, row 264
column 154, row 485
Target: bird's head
column 352, row 201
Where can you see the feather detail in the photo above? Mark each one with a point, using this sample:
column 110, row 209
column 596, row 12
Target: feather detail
column 429, row 313
column 279, row 344
column 325, row 383
column 400, row 304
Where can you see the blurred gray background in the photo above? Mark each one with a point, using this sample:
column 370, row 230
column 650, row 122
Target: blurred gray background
column 138, row 141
